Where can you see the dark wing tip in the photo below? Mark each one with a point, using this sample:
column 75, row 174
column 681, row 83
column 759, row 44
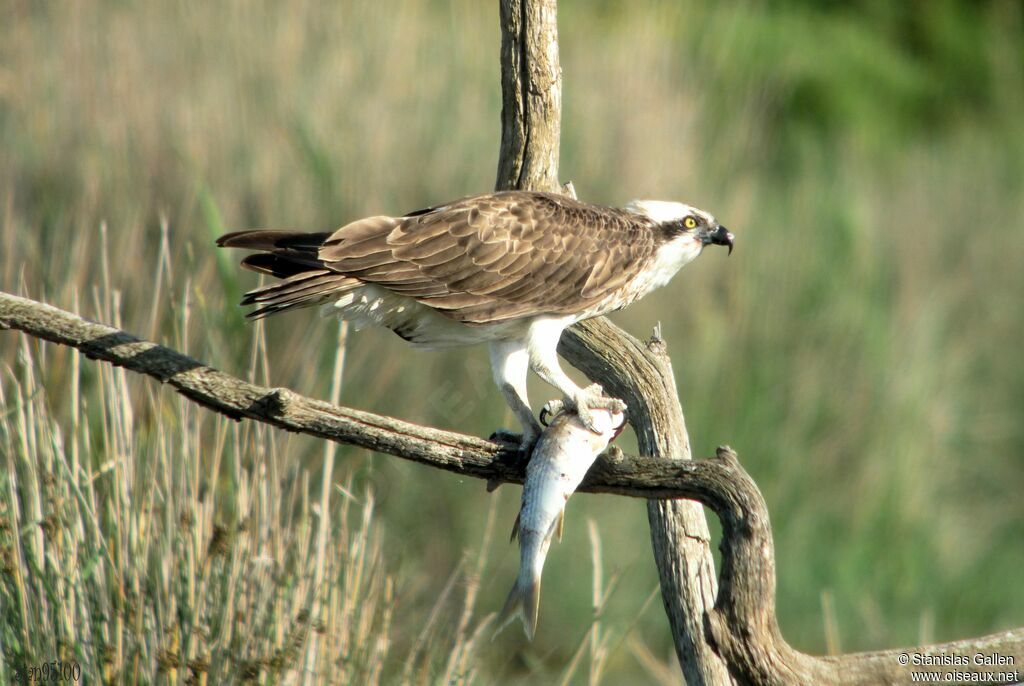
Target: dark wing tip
column 273, row 239
column 222, row 241
column 248, row 239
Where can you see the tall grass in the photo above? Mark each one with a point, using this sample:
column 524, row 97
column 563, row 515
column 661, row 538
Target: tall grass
column 859, row 349
column 151, row 541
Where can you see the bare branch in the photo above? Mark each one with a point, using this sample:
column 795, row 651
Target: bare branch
column 743, row 626
column 531, row 96
column 283, row 408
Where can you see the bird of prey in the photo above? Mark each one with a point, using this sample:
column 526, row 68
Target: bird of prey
column 512, row 269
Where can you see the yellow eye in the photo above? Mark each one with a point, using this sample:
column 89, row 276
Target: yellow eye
column 690, row 223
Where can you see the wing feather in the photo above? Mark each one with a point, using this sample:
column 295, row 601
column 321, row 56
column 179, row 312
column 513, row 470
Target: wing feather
column 499, row 256
column 486, row 254
column 358, row 238
column 440, row 261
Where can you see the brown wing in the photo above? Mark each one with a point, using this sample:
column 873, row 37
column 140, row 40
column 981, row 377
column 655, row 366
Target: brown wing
column 500, row 256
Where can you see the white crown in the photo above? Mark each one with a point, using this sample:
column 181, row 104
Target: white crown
column 660, row 210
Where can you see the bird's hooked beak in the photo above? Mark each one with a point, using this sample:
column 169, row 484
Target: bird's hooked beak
column 720, row 236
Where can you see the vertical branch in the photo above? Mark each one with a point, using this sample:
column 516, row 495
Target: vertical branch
column 531, row 96
column 640, row 374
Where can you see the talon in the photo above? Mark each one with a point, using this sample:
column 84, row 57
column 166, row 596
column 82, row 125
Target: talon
column 551, row 409
column 586, row 416
column 592, row 398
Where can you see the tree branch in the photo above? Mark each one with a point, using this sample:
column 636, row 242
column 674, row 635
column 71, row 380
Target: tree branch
column 531, row 96
column 235, row 398
column 742, row 627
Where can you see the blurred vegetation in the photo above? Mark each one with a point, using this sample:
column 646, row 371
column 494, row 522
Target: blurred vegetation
column 860, row 350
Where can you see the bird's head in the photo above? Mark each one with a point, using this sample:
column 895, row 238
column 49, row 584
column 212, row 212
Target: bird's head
column 682, row 222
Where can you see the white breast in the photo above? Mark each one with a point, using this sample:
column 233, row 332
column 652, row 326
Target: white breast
column 667, row 262
column 670, row 258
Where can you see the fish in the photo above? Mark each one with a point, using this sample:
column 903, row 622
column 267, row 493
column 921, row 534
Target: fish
column 563, row 455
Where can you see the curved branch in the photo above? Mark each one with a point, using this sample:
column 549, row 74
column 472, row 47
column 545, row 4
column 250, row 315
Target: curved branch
column 745, row 632
column 742, row 627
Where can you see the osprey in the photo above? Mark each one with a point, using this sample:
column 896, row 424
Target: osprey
column 512, row 269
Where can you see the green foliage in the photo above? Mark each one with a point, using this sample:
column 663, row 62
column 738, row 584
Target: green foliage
column 859, row 349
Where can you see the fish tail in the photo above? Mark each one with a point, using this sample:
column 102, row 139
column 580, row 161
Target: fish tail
column 524, row 602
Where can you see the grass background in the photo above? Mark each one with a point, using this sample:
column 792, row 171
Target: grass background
column 861, row 349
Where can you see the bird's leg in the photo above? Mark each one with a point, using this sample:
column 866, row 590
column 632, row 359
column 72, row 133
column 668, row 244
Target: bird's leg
column 544, row 361
column 510, row 361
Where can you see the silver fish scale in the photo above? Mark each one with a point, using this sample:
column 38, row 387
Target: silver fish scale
column 564, row 453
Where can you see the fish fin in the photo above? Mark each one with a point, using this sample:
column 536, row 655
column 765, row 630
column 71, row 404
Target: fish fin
column 515, row 529
column 523, row 602
column 531, row 608
column 560, row 525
